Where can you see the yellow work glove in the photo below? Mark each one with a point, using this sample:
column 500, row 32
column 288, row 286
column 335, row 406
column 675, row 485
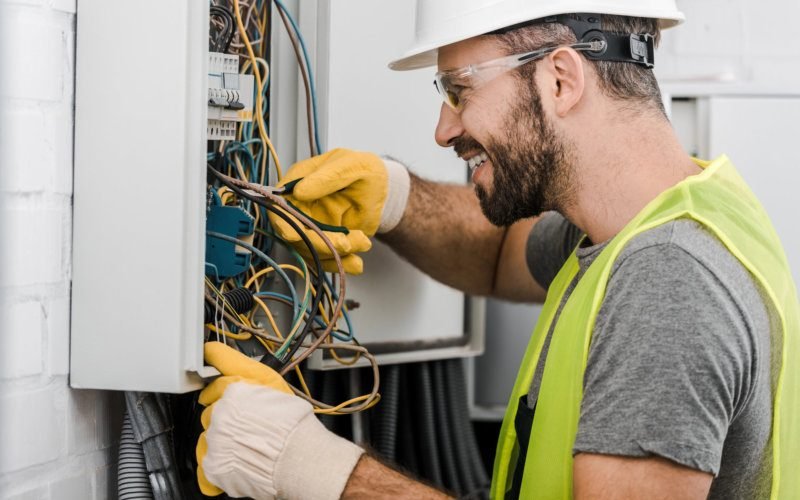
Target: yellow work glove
column 354, row 189
column 262, row 442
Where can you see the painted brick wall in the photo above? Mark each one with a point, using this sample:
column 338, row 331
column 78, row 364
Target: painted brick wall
column 57, row 442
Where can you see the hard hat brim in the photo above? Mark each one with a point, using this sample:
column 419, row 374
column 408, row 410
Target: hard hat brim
column 427, row 55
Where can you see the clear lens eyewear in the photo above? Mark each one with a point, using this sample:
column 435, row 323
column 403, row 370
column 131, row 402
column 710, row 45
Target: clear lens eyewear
column 451, row 83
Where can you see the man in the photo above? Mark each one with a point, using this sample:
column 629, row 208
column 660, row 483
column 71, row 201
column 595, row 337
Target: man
column 664, row 364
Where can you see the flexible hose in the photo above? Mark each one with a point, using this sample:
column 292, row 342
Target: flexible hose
column 429, row 457
column 387, row 427
column 151, row 423
column 461, row 425
column 132, row 481
column 458, row 402
column 240, row 299
column 407, row 448
column 444, row 437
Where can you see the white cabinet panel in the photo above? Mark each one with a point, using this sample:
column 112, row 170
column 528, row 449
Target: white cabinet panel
column 759, row 134
column 139, row 219
column 364, row 105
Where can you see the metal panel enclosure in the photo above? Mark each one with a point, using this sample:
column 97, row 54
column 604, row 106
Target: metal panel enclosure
column 139, row 195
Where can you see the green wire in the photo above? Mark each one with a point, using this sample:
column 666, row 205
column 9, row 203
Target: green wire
column 306, row 298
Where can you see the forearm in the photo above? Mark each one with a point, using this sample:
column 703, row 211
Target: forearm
column 373, row 480
column 444, row 233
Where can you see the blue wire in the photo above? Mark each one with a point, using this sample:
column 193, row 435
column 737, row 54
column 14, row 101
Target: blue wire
column 308, row 67
column 216, row 271
column 216, row 197
column 266, row 258
column 344, row 311
column 338, row 334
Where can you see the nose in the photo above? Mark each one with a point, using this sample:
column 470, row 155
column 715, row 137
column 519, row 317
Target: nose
column 449, row 126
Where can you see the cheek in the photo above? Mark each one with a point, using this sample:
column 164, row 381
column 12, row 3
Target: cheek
column 482, row 122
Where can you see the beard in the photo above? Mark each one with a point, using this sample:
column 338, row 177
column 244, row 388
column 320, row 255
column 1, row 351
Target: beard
column 532, row 168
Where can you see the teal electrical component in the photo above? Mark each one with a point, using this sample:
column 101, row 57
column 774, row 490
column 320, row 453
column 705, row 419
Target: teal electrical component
column 225, row 259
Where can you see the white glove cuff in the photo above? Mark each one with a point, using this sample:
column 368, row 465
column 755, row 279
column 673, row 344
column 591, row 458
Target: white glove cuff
column 397, row 196
column 315, row 463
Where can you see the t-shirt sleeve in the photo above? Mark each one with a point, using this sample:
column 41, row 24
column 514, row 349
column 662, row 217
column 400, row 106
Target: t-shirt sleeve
column 669, row 363
column 550, row 243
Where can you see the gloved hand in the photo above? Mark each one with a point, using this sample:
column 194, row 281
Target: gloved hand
column 348, row 188
column 260, row 441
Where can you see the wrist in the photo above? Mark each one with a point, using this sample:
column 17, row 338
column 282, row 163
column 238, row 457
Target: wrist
column 399, row 184
column 315, row 463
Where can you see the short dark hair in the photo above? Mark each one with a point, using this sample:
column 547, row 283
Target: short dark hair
column 619, row 80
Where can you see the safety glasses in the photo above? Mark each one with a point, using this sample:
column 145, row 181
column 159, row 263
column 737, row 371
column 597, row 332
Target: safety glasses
column 451, row 84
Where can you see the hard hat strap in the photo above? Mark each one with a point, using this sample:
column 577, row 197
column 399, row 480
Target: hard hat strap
column 619, row 47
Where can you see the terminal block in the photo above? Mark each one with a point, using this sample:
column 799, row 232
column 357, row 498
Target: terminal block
column 224, row 258
column 230, row 96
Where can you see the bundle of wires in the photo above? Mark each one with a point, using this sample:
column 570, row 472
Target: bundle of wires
column 239, row 170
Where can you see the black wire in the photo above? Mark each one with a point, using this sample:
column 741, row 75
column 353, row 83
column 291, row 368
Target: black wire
column 269, row 359
column 223, row 39
column 228, row 26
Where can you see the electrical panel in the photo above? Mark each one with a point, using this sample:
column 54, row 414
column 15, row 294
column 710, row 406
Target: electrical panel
column 170, row 252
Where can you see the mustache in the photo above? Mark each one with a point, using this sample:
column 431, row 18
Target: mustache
column 464, row 144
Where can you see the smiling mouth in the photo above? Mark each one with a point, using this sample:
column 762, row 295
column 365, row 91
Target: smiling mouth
column 476, row 161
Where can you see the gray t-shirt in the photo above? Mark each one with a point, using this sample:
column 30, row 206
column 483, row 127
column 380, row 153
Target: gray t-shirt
column 679, row 364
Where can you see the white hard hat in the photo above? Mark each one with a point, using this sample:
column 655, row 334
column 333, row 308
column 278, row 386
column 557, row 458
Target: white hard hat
column 442, row 22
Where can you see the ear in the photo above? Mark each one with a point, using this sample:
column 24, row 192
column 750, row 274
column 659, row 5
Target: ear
column 566, row 68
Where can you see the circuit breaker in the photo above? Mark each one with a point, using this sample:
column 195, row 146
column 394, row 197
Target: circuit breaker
column 230, row 96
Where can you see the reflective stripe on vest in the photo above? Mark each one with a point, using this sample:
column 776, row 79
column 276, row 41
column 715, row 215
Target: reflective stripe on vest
column 718, row 199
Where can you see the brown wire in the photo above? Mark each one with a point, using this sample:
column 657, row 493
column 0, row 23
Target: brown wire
column 281, row 203
column 319, row 342
column 228, row 316
column 306, row 86
column 373, row 394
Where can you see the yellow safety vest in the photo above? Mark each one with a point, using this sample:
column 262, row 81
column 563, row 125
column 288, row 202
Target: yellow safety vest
column 718, row 199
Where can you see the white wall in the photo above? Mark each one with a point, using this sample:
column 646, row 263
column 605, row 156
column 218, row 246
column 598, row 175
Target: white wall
column 54, row 442
column 739, row 41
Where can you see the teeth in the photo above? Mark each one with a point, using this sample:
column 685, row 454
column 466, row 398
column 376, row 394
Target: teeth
column 477, row 160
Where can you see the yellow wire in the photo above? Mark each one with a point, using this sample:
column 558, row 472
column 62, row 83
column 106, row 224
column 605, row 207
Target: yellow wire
column 267, row 345
column 259, row 117
column 335, row 410
column 283, row 266
column 245, row 67
column 271, row 269
column 235, row 336
column 343, row 361
column 302, row 381
column 224, row 193
column 268, row 313
column 240, row 170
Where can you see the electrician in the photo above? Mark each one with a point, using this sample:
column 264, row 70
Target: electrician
column 665, row 360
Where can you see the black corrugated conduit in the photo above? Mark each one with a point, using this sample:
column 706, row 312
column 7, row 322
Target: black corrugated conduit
column 444, row 437
column 471, row 464
column 132, row 481
column 387, row 428
column 429, row 455
column 240, row 299
column 461, row 429
column 407, row 446
column 151, row 423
